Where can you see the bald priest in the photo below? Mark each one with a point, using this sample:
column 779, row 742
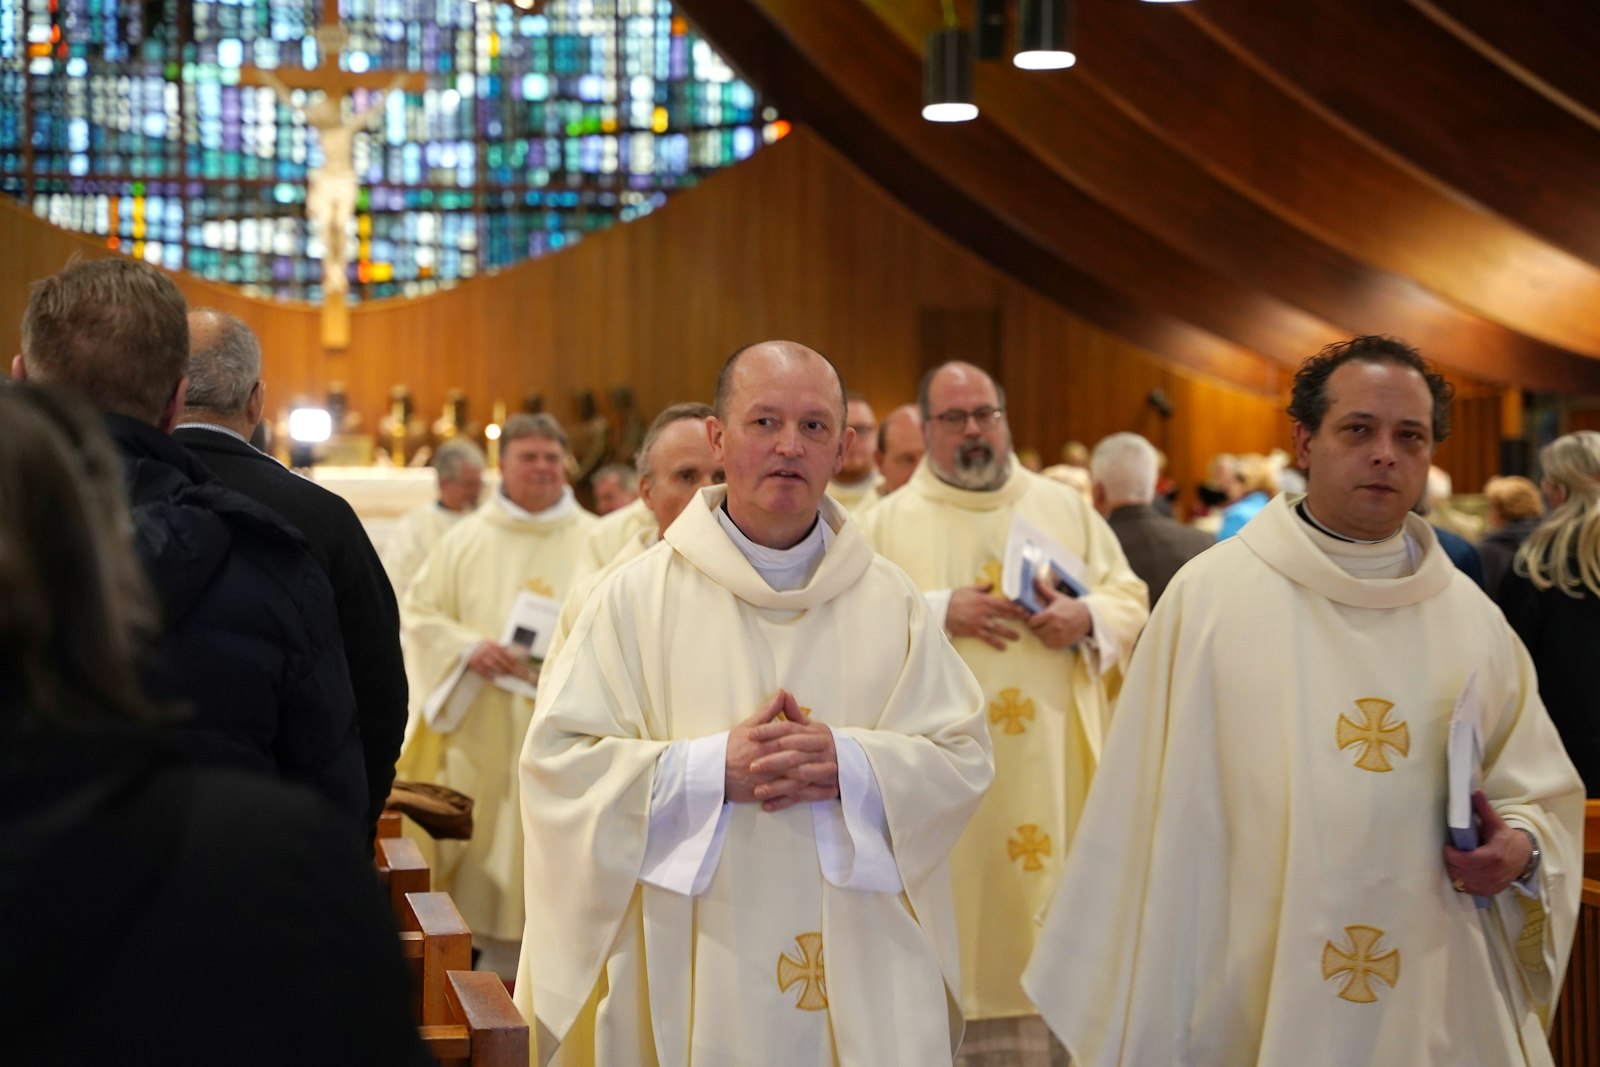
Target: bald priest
column 745, row 773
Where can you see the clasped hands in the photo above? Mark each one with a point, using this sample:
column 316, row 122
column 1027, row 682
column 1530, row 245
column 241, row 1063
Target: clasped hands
column 780, row 762
column 977, row 611
column 1497, row 862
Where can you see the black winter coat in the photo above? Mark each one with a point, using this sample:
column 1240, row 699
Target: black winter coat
column 249, row 638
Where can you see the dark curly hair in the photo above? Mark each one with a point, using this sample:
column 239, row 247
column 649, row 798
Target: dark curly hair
column 1308, row 402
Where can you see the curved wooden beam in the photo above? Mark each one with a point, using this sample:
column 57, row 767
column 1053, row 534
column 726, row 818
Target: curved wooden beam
column 856, row 79
column 1416, row 90
column 1550, row 45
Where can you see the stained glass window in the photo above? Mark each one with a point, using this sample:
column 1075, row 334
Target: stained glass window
column 516, row 132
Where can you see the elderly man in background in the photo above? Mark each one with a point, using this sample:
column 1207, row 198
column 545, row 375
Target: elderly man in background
column 1123, row 469
column 900, row 447
column 465, row 728
column 459, row 467
column 222, row 408
column 616, row 485
column 747, row 769
column 1044, row 676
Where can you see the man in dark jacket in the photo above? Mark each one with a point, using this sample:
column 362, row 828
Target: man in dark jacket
column 249, row 638
column 1123, row 474
column 222, row 408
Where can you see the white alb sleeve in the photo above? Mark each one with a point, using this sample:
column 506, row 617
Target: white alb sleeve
column 853, row 832
column 687, row 816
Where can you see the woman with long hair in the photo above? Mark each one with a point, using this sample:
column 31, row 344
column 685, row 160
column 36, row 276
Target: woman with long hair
column 1552, row 597
column 153, row 909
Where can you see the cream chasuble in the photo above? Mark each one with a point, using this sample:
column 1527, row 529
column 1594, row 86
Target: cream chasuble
column 412, row 539
column 609, row 535
column 584, row 585
column 460, row 598
column 771, row 963
column 1047, row 708
column 1259, row 879
column 857, row 498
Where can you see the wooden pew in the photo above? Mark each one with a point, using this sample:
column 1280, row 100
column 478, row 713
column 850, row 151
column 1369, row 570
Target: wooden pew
column 1575, row 1032
column 403, row 870
column 435, row 940
column 1591, row 840
column 389, row 824
column 485, row 1028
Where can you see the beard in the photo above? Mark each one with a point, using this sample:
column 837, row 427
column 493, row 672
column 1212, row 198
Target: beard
column 979, row 466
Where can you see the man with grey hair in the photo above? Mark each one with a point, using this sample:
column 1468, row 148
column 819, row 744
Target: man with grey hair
column 458, row 464
column 222, row 409
column 616, row 485
column 1123, row 471
column 1044, row 678
column 467, row 722
column 250, row 641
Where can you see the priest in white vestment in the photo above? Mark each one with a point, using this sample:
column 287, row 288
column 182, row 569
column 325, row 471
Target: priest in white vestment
column 675, row 463
column 855, row 486
column 1044, row 680
column 459, row 468
column 609, row 535
column 1262, row 874
column 747, row 769
column 464, row 730
column 899, row 449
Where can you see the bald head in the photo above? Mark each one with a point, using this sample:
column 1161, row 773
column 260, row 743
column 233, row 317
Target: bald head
column 900, row 447
column 782, row 351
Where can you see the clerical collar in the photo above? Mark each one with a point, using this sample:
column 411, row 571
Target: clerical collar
column 1395, row 556
column 559, row 510
column 1304, row 511
column 781, row 568
column 215, row 428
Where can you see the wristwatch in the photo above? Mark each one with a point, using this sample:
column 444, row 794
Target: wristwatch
column 1533, row 858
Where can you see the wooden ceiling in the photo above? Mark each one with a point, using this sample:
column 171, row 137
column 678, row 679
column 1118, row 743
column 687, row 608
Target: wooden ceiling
column 1232, row 184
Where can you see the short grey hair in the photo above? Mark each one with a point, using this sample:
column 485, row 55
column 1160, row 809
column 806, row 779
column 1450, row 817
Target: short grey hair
column 626, row 476
column 541, row 425
column 455, row 457
column 224, row 366
column 672, row 414
column 1125, row 464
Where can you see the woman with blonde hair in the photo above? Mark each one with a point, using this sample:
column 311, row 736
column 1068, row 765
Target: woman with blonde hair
column 156, row 909
column 1552, row 597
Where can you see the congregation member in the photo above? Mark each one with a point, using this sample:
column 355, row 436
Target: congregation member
column 1551, row 597
column 899, row 448
column 675, row 462
column 1044, row 679
column 452, row 624
column 249, row 641
column 1515, row 510
column 131, row 878
column 1444, row 513
column 222, row 409
column 1123, row 469
column 747, row 769
column 855, row 486
column 458, row 466
column 1255, row 481
column 1461, row 552
column 615, row 485
column 1261, row 875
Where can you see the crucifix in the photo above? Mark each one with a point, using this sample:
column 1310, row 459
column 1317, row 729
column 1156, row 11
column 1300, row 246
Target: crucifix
column 331, row 188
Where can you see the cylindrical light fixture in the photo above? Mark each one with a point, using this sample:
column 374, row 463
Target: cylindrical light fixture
column 947, row 77
column 1044, row 35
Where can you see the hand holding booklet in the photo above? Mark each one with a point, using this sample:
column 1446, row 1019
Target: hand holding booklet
column 529, row 626
column 1031, row 554
column 1464, row 759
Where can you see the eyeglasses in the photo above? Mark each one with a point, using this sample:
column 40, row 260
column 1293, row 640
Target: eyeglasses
column 955, row 420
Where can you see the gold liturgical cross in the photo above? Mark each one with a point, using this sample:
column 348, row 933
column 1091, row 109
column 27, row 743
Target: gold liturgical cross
column 1030, row 847
column 538, row 587
column 807, row 969
column 1361, row 964
column 1011, row 709
column 1374, row 735
column 990, row 576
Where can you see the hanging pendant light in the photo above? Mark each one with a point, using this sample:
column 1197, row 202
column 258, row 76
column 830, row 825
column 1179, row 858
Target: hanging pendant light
column 947, row 77
column 1044, row 35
